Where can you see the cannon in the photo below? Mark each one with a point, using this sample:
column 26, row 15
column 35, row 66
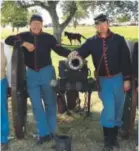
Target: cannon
column 73, row 78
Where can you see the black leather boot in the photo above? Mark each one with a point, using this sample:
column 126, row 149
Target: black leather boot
column 108, row 145
column 44, row 139
column 116, row 143
column 4, row 147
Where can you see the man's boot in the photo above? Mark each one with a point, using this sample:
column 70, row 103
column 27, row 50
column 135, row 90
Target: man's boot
column 4, row 147
column 108, row 145
column 44, row 139
column 116, row 143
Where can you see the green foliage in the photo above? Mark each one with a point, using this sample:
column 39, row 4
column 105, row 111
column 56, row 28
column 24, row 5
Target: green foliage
column 20, row 20
column 30, row 13
column 13, row 13
column 67, row 6
column 116, row 8
column 82, row 10
column 123, row 18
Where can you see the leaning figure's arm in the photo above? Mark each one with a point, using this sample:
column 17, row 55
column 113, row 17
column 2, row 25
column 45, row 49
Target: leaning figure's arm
column 84, row 51
column 58, row 48
column 10, row 40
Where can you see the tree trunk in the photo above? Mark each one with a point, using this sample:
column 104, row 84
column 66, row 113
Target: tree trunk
column 51, row 8
column 57, row 29
column 75, row 23
column 58, row 33
column 12, row 29
column 17, row 29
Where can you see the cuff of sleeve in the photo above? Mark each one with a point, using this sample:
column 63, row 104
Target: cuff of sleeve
column 66, row 52
column 22, row 43
column 19, row 38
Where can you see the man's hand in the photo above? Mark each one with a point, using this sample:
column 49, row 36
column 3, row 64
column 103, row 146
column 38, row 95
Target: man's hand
column 127, row 85
column 72, row 54
column 30, row 47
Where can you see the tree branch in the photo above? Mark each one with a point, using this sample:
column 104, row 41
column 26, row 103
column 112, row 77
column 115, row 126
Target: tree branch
column 36, row 3
column 72, row 13
column 53, row 4
column 42, row 4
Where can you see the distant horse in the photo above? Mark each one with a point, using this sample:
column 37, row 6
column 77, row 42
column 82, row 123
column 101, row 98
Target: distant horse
column 74, row 36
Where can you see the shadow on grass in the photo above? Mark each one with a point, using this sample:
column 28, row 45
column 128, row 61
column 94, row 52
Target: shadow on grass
column 86, row 133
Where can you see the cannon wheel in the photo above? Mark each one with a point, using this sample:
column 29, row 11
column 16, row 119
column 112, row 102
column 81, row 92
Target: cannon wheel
column 61, row 103
column 72, row 97
column 18, row 91
column 67, row 101
column 129, row 112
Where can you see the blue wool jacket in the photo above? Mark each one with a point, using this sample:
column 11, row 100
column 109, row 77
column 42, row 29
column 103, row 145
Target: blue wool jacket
column 116, row 56
column 44, row 43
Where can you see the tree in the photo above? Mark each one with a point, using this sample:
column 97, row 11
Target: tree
column 81, row 12
column 123, row 18
column 32, row 12
column 50, row 6
column 3, row 21
column 13, row 13
column 20, row 20
column 115, row 9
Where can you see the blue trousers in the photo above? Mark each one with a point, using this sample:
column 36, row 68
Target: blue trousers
column 43, row 99
column 4, row 112
column 112, row 96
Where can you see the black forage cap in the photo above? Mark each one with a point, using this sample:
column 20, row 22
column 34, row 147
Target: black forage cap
column 36, row 17
column 100, row 18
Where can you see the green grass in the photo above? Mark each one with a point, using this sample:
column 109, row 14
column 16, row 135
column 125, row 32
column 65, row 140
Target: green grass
column 87, row 135
column 129, row 32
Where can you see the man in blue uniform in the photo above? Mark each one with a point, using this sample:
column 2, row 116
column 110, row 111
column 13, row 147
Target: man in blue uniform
column 4, row 82
column 113, row 70
column 37, row 50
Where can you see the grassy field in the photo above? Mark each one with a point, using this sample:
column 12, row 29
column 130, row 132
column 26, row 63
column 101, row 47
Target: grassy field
column 129, row 32
column 86, row 134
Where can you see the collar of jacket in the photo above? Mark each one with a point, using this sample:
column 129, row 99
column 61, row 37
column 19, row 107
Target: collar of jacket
column 109, row 34
column 36, row 34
